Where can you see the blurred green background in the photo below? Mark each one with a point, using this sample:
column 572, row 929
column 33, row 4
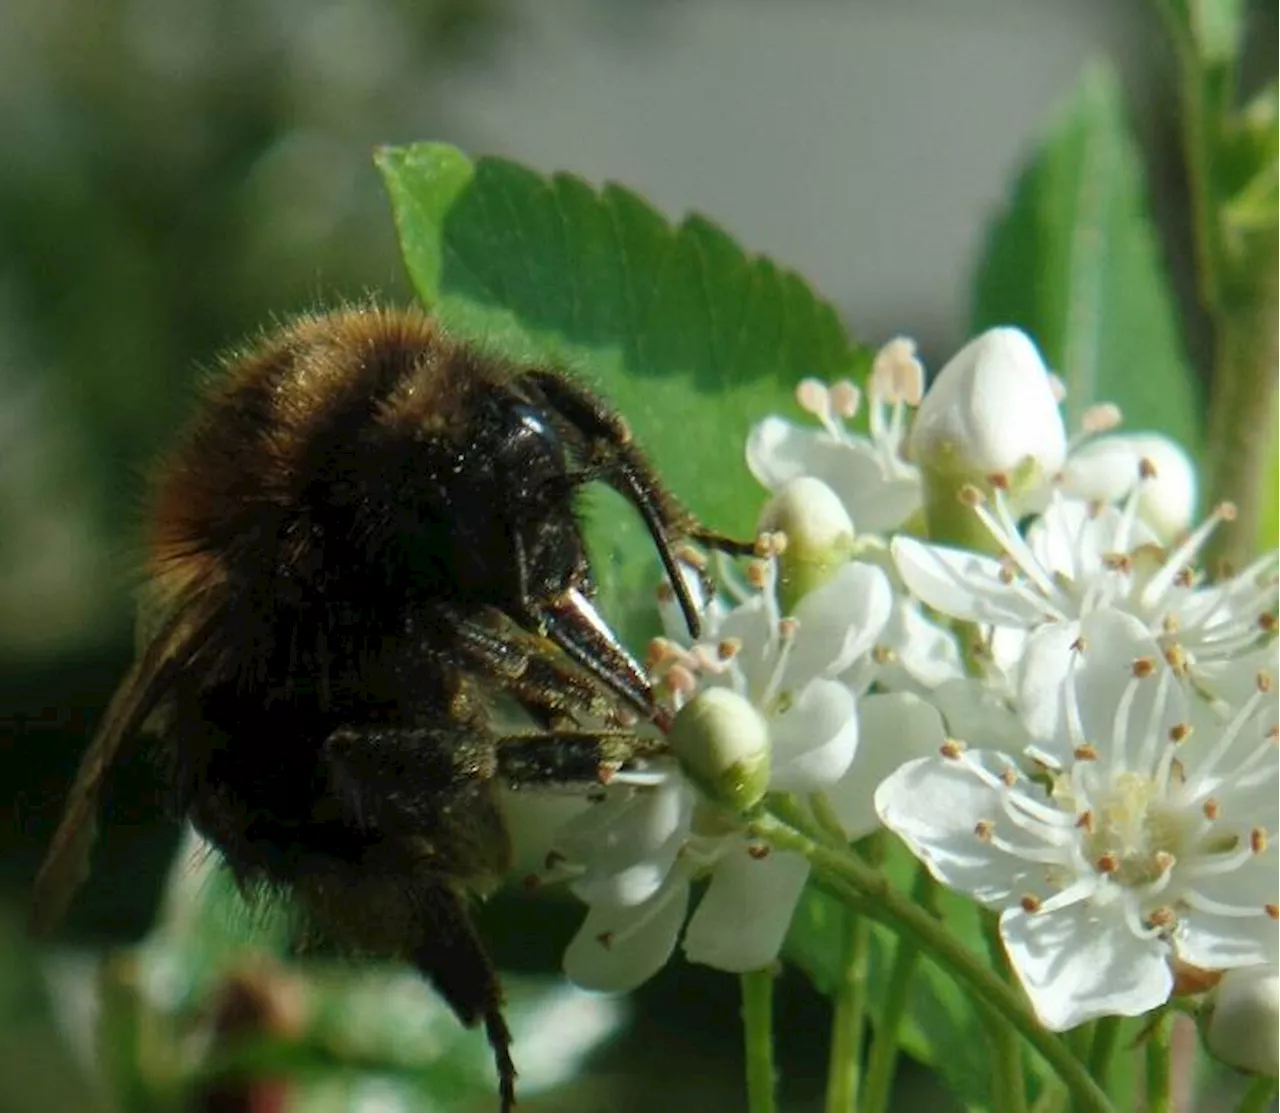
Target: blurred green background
column 174, row 174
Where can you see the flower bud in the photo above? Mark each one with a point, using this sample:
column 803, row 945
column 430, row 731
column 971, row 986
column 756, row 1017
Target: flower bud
column 1105, row 469
column 1240, row 1025
column 819, row 536
column 722, row 742
column 992, row 411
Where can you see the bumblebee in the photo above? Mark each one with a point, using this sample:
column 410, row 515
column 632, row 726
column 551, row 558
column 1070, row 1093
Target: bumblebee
column 363, row 547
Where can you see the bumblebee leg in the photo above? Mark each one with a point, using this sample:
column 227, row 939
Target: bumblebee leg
column 394, row 777
column 452, row 957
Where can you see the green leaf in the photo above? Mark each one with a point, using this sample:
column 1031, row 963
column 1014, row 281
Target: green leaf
column 1074, row 261
column 686, row 334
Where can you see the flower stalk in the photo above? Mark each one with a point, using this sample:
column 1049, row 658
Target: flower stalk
column 868, row 890
column 757, row 1029
column 848, row 1023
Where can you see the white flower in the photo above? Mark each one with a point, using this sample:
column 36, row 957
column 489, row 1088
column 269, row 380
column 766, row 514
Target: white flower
column 993, row 410
column 879, row 488
column 1106, row 469
column 1077, row 558
column 1144, row 835
column 1243, row 1023
column 653, row 833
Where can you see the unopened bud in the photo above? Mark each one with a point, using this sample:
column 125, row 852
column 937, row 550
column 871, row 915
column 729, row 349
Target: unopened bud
column 819, row 535
column 722, row 742
column 1240, row 1024
column 991, row 412
column 1106, row 469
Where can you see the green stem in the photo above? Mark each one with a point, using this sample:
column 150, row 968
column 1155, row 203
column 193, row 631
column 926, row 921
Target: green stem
column 869, row 891
column 1258, row 1096
column 1010, row 1083
column 883, row 1064
column 1106, row 1038
column 1159, row 1081
column 848, row 1024
column 757, row 1030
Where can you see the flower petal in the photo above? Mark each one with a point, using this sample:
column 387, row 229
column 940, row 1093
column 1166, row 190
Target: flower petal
column 963, row 585
column 1213, row 940
column 742, row 919
column 1082, row 962
column 934, row 805
column 893, row 728
column 838, row 623
column 616, row 949
column 814, row 739
column 975, row 713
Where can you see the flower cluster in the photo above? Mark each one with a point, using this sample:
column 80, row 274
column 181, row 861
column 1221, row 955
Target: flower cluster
column 992, row 638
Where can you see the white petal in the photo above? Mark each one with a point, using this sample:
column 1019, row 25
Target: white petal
column 1082, row 962
column 815, row 738
column 976, row 714
column 934, row 806
column 751, row 626
column 628, row 842
column 1046, row 668
column 742, row 919
column 618, row 948
column 963, row 585
column 1214, row 941
column 926, row 652
column 838, row 623
column 778, row 451
column 893, row 728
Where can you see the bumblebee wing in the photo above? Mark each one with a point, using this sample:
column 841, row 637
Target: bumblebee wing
column 66, row 865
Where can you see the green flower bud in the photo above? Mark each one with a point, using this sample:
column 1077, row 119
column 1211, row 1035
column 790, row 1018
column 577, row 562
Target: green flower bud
column 722, row 742
column 819, row 535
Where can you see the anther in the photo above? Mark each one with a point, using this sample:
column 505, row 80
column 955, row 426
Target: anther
column 844, row 398
column 1086, row 822
column 1009, row 776
column 1162, row 918
column 1117, row 562
column 1211, row 808
column 1101, row 418
column 999, row 481
column 1143, row 667
column 1029, row 903
column 729, row 648
column 758, row 851
column 952, row 748
column 984, row 829
column 812, row 396
column 1179, row 732
column 1086, row 751
column 695, row 558
column 1263, row 681
column 1176, row 658
column 1147, row 468
column 1272, row 910
column 1186, row 577
column 1165, row 861
column 1258, row 840
column 1268, row 623
column 1107, row 863
column 883, row 655
column 970, row 496
column 1080, row 645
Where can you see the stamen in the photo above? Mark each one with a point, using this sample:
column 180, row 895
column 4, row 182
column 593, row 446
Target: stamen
column 1182, row 556
column 1201, row 903
column 813, row 397
column 1211, row 808
column 985, row 829
column 1258, row 840
column 1179, row 733
column 1030, row 903
column 952, row 749
column 758, row 851
column 1101, row 418
column 845, row 398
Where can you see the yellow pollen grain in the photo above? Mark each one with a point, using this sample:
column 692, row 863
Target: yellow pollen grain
column 1211, row 809
column 1179, row 732
column 1085, row 752
column 1143, row 667
column 984, row 829
column 1258, row 840
column 1107, row 863
column 952, row 748
column 1030, row 902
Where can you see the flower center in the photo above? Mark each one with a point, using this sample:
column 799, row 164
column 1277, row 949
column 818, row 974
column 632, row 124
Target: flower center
column 1136, row 836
